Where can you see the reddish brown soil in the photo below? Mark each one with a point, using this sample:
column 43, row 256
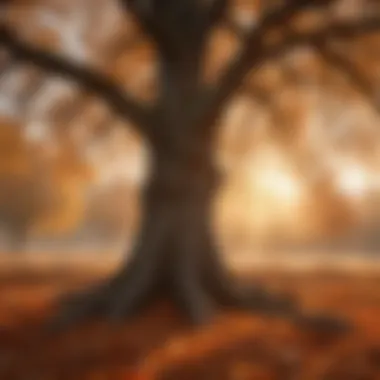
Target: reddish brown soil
column 160, row 345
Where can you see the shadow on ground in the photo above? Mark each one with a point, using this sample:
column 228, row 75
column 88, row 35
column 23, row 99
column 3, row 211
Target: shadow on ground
column 160, row 345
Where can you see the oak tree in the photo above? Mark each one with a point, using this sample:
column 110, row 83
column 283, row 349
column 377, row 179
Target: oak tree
column 175, row 251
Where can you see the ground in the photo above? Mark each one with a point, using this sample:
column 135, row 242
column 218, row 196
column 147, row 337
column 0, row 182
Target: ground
column 159, row 344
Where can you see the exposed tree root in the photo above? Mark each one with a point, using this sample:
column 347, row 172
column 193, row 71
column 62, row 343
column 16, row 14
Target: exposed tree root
column 176, row 254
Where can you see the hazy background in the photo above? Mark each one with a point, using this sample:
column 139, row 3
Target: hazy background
column 300, row 146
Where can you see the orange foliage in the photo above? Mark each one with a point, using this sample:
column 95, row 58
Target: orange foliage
column 44, row 194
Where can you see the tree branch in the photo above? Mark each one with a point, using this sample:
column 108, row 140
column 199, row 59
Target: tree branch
column 120, row 102
column 256, row 53
column 357, row 79
column 252, row 53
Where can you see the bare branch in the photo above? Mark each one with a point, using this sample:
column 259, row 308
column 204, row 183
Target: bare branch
column 91, row 80
column 257, row 53
column 250, row 55
column 360, row 83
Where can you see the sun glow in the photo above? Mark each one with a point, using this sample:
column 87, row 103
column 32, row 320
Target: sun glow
column 352, row 181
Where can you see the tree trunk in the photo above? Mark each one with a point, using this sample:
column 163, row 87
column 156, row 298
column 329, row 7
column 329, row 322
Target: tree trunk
column 179, row 201
column 175, row 253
